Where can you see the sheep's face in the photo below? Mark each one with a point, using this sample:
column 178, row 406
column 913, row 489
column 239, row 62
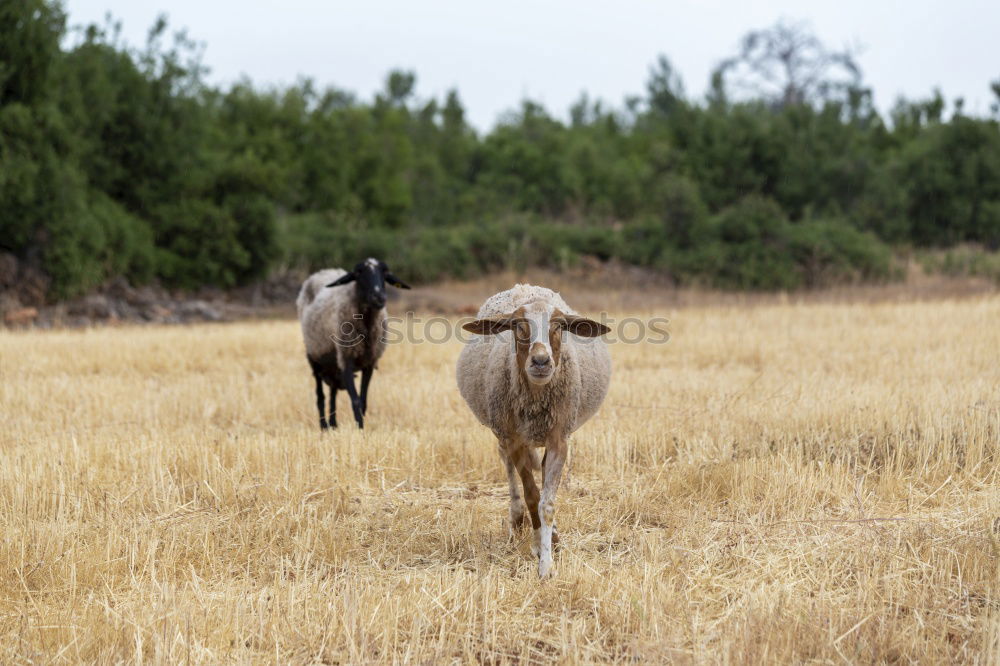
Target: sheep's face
column 371, row 283
column 538, row 334
column 371, row 276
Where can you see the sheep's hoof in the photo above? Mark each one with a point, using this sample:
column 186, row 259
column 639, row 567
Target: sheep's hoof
column 517, row 519
column 545, row 567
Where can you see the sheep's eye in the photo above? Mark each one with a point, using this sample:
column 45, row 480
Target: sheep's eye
column 522, row 330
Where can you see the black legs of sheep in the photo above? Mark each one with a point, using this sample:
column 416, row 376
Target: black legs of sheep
column 366, row 377
column 321, row 398
column 340, row 379
column 358, row 403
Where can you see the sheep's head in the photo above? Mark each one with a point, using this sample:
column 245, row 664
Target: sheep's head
column 538, row 329
column 371, row 275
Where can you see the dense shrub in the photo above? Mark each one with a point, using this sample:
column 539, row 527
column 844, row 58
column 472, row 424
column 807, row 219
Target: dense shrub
column 752, row 245
column 830, row 251
column 950, row 176
column 963, row 261
column 748, row 247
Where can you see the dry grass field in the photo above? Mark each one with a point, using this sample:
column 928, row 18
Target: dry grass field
column 808, row 483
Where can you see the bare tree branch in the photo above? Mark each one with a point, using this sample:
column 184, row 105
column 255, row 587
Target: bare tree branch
column 787, row 65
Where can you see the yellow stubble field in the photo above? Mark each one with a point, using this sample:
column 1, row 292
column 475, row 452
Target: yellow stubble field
column 807, row 482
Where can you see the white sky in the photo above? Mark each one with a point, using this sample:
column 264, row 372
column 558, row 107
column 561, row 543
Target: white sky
column 498, row 53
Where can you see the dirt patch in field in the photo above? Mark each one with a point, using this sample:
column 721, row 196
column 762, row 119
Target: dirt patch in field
column 23, row 301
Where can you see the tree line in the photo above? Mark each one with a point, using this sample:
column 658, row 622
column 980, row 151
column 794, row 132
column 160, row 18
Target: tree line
column 116, row 161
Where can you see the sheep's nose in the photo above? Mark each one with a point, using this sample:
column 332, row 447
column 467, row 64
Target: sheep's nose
column 378, row 301
column 540, row 360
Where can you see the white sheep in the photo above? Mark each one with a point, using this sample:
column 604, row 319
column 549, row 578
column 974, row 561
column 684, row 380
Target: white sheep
column 343, row 322
column 537, row 375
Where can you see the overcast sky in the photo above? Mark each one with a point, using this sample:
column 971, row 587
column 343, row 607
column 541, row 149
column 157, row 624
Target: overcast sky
column 498, row 53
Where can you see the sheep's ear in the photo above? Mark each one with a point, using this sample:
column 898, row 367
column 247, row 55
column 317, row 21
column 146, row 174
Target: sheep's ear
column 343, row 279
column 585, row 328
column 395, row 281
column 489, row 325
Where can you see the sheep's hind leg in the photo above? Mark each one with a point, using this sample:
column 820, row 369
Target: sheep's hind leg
column 555, row 457
column 321, row 398
column 517, row 506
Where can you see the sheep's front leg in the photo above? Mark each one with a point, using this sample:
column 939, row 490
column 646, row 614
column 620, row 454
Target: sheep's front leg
column 524, row 462
column 517, row 507
column 366, row 377
column 555, row 458
column 555, row 527
column 333, row 406
column 347, row 379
